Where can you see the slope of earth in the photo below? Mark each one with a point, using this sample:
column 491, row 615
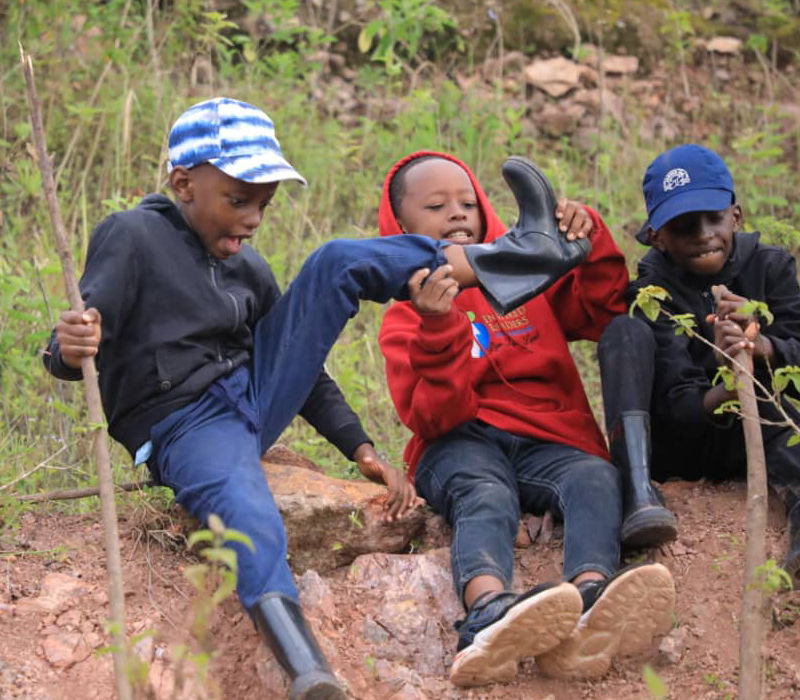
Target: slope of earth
column 53, row 602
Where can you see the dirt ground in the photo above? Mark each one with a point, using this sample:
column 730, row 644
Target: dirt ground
column 53, row 602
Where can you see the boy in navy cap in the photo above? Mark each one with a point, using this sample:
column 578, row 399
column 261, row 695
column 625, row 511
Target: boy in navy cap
column 203, row 363
column 649, row 372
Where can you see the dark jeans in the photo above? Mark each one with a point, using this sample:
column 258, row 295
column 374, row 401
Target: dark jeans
column 209, row 451
column 480, row 478
column 626, row 354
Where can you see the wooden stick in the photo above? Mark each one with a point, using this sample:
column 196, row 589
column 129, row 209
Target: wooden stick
column 68, row 494
column 752, row 630
column 752, row 624
column 116, row 595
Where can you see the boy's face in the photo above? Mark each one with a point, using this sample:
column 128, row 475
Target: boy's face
column 699, row 242
column 439, row 202
column 223, row 211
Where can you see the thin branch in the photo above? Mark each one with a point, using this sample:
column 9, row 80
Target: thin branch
column 31, row 471
column 116, row 595
column 70, row 494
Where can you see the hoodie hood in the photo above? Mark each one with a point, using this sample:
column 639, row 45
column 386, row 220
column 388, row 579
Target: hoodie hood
column 388, row 224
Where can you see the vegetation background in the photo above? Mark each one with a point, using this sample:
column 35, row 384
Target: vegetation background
column 352, row 85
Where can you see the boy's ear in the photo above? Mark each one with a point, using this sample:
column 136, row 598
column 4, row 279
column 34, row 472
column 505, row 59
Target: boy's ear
column 655, row 239
column 738, row 217
column 182, row 183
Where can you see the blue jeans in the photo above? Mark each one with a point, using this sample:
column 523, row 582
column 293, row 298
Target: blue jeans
column 209, row 451
column 480, row 478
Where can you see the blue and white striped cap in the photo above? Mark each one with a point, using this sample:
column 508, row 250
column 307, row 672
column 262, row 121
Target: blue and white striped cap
column 235, row 137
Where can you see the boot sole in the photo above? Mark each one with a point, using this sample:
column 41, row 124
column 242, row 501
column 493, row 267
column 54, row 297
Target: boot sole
column 650, row 526
column 529, row 628
column 633, row 610
column 316, row 685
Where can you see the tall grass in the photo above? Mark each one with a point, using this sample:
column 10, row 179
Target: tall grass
column 114, row 78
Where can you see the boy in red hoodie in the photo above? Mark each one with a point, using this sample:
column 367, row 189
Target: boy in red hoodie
column 502, row 425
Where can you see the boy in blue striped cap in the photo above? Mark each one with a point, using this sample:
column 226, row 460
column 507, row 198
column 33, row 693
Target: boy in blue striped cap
column 203, row 362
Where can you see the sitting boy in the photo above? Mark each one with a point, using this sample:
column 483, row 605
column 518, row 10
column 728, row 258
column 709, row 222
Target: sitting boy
column 203, row 363
column 501, row 424
column 649, row 372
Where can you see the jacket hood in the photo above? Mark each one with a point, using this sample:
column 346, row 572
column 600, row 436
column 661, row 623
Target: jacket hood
column 388, row 224
column 658, row 264
column 157, row 202
column 168, row 209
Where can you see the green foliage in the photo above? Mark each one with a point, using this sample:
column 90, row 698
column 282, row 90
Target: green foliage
column 756, row 308
column 684, row 324
column 655, row 685
column 726, row 376
column 771, row 578
column 214, row 580
column 649, row 299
column 113, row 78
column 783, row 376
column 400, row 31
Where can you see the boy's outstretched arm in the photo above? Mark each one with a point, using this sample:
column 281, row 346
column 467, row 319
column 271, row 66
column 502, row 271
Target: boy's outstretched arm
column 402, row 497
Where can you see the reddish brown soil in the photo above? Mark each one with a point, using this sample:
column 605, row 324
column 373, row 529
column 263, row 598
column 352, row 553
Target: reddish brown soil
column 706, row 563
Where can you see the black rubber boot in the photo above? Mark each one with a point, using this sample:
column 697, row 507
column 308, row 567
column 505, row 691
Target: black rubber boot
column 792, row 562
column 528, row 258
column 646, row 522
column 281, row 623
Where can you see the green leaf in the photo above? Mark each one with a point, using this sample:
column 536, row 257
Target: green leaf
column 726, row 375
column 793, row 440
column 199, row 536
column 648, row 301
column 196, row 575
column 756, row 308
column 365, row 40
column 783, row 376
column 223, row 555
column 226, row 587
column 684, row 324
column 732, row 406
column 655, row 685
column 236, row 536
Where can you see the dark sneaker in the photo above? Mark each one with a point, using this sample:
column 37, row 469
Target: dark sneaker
column 621, row 616
column 501, row 630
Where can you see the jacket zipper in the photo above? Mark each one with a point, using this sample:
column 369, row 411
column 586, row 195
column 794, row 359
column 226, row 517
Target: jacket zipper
column 212, row 267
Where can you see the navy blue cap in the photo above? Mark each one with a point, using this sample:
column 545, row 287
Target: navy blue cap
column 684, row 179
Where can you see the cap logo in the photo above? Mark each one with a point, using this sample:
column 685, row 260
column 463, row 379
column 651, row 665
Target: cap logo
column 677, row 177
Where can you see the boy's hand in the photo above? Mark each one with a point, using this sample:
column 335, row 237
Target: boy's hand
column 731, row 338
column 402, row 498
column 727, row 304
column 78, row 336
column 432, row 294
column 573, row 219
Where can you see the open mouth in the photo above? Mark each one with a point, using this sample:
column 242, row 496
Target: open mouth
column 458, row 236
column 706, row 253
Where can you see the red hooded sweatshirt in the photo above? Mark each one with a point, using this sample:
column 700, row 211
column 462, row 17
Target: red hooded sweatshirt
column 514, row 372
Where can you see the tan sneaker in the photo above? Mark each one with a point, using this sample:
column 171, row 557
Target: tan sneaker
column 621, row 617
column 501, row 630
